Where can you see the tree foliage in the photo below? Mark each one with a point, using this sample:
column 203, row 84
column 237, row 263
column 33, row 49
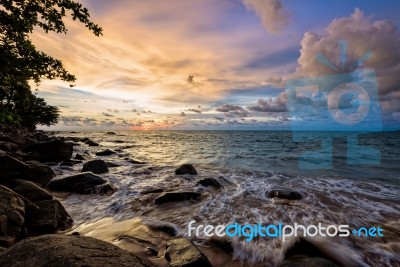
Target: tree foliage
column 21, row 62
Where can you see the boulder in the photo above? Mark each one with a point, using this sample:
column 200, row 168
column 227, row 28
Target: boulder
column 83, row 183
column 186, row 169
column 284, row 194
column 182, row 253
column 304, row 261
column 8, row 146
column 91, row 143
column 106, row 152
column 135, row 162
column 50, row 217
column 29, row 190
column 63, row 250
column 210, row 182
column 39, row 174
column 97, row 166
column 111, row 133
column 55, row 150
column 12, row 216
column 10, row 164
column 177, row 196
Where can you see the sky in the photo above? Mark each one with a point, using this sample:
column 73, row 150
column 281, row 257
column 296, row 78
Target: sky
column 229, row 64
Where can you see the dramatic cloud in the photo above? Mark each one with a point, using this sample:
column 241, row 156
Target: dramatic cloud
column 194, row 110
column 273, row 16
column 362, row 35
column 277, row 104
column 232, row 110
column 228, row 108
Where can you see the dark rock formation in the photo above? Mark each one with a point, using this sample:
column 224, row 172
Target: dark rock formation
column 83, row 183
column 186, row 169
column 50, row 217
column 177, row 196
column 28, row 190
column 210, row 182
column 63, row 251
column 39, row 174
column 97, row 166
column 182, row 253
column 83, row 156
column 284, row 194
column 106, row 152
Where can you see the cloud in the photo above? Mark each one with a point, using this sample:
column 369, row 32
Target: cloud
column 183, row 114
column 232, row 110
column 228, row 108
column 277, row 104
column 362, row 34
column 107, row 114
column 273, row 16
column 194, row 110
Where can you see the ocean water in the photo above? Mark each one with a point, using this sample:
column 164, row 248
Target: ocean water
column 249, row 164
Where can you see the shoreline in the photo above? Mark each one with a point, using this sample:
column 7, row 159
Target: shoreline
column 219, row 254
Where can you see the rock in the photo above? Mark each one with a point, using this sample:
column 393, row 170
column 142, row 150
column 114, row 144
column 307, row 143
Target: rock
column 10, row 164
column 210, row 182
column 29, row 190
column 177, row 196
column 91, row 143
column 284, row 194
column 182, row 253
column 39, row 174
column 136, row 162
column 83, row 157
column 106, row 152
column 96, row 166
column 8, row 146
column 12, row 216
column 112, row 164
column 83, row 183
column 71, row 251
column 152, row 191
column 51, row 151
column 111, row 133
column 50, row 217
column 186, row 169
column 304, row 261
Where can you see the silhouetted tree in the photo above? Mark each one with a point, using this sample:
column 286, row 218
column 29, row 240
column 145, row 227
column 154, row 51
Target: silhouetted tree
column 20, row 62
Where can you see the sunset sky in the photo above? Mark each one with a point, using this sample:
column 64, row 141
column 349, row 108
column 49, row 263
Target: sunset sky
column 213, row 64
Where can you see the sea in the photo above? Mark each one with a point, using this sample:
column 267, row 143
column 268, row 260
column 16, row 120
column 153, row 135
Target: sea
column 249, row 164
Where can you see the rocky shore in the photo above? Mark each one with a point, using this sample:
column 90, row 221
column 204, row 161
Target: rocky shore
column 34, row 224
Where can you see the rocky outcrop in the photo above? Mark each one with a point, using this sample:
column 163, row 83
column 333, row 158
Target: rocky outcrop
column 83, row 156
column 62, row 250
column 56, row 150
column 83, row 183
column 284, row 194
column 186, row 169
column 182, row 253
column 96, row 166
column 12, row 217
column 39, row 174
column 177, row 196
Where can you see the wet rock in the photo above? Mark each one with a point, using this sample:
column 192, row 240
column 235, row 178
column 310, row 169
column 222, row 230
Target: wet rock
column 83, row 183
column 12, row 216
column 161, row 226
column 107, row 152
column 91, row 143
column 152, row 191
column 186, row 169
column 210, row 182
column 39, row 174
column 135, row 162
column 29, row 190
column 284, row 194
column 56, row 150
column 83, row 157
column 96, row 166
column 49, row 218
column 63, row 250
column 182, row 253
column 304, row 261
column 177, row 196
column 112, row 164
column 111, row 133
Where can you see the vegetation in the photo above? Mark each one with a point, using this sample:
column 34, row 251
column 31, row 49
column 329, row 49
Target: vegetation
column 21, row 63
